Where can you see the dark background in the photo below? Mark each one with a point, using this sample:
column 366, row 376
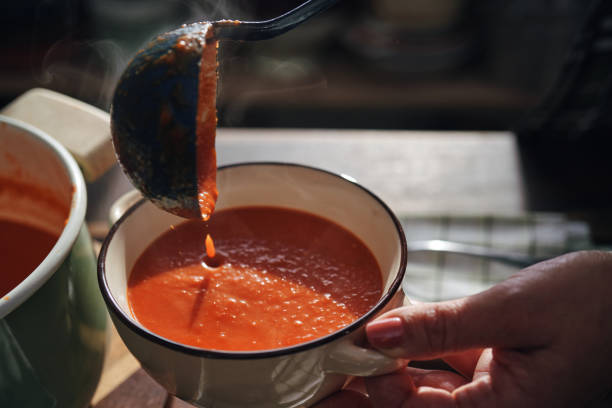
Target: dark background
column 384, row 64
column 364, row 64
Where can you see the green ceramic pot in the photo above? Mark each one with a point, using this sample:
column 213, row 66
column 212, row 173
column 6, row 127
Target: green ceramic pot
column 53, row 324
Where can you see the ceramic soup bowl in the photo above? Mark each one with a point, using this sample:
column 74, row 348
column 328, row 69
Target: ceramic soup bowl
column 53, row 323
column 288, row 377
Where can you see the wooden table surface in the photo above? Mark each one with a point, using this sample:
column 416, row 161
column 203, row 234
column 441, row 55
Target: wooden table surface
column 470, row 173
column 125, row 385
column 414, row 172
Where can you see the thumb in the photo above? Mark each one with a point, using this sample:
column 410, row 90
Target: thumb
column 503, row 316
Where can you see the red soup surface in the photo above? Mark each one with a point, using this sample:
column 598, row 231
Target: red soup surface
column 285, row 277
column 22, row 249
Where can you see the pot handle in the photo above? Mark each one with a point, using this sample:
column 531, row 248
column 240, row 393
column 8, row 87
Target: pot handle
column 82, row 129
column 119, row 207
column 350, row 359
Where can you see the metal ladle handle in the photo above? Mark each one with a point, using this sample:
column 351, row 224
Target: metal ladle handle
column 263, row 30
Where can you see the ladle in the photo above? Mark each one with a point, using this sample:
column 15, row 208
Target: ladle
column 153, row 111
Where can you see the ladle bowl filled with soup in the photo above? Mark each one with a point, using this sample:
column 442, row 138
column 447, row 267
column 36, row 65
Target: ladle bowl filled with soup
column 264, row 304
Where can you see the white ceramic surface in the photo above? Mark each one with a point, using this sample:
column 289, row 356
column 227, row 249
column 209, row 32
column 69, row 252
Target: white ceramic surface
column 42, row 161
column 288, row 377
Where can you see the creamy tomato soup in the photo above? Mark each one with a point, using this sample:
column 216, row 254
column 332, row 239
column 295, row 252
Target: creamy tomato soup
column 281, row 277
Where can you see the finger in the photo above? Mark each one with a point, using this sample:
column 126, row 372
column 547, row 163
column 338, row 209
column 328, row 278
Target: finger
column 464, row 362
column 496, row 384
column 483, row 366
column 430, row 397
column 345, row 399
column 503, row 316
column 390, row 390
column 413, row 388
column 440, row 379
column 476, row 394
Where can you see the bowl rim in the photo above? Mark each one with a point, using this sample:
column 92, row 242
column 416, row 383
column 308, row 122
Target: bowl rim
column 76, row 217
column 128, row 321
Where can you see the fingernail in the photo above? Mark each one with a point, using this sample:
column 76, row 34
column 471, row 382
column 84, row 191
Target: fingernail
column 385, row 333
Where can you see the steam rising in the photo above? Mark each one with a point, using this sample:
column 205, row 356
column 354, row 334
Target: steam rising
column 281, row 79
column 86, row 70
column 88, row 65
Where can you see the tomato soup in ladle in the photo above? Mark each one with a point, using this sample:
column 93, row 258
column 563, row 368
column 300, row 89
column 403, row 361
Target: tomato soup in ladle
column 206, row 125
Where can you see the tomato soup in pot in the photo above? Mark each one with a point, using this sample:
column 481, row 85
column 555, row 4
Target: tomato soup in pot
column 31, row 220
column 22, row 249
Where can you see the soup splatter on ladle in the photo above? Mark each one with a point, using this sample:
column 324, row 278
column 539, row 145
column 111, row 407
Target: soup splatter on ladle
column 163, row 112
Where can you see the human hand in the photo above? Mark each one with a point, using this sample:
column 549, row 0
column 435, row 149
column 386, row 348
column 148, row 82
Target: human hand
column 542, row 338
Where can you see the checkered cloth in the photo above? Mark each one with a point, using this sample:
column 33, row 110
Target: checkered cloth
column 439, row 276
